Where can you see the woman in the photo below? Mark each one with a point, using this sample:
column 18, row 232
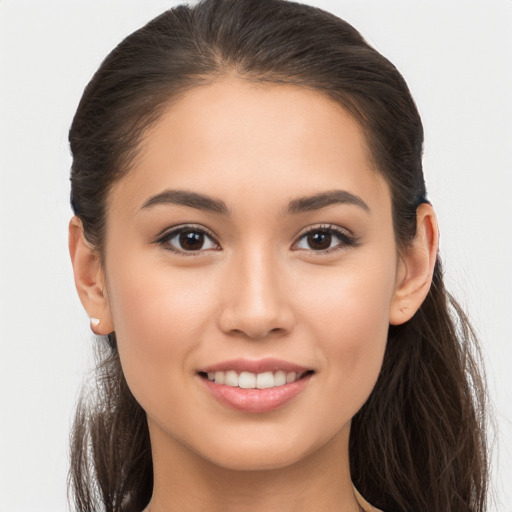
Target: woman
column 252, row 237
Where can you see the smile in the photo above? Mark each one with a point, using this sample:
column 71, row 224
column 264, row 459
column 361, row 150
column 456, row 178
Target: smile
column 248, row 380
column 255, row 386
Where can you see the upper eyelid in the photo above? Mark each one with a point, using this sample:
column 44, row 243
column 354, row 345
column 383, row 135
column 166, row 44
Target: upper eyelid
column 167, row 232
column 326, row 227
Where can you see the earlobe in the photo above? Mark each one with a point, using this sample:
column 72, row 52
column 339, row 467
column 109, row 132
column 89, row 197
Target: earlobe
column 416, row 267
column 89, row 279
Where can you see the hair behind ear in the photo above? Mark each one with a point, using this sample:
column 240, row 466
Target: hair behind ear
column 110, row 443
column 425, row 417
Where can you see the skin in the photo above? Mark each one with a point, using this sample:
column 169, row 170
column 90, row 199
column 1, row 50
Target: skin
column 256, row 289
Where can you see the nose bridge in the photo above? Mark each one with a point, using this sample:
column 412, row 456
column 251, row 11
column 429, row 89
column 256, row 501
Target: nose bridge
column 255, row 300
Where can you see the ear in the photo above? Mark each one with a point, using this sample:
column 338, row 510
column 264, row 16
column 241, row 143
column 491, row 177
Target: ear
column 416, row 267
column 89, row 279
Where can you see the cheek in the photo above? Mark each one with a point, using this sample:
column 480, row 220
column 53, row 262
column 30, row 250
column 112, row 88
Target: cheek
column 351, row 322
column 159, row 316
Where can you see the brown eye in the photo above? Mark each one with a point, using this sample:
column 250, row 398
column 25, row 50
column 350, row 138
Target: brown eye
column 187, row 240
column 191, row 240
column 319, row 240
column 325, row 239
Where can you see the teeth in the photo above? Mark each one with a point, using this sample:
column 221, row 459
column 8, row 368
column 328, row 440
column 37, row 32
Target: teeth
column 291, row 377
column 248, row 380
column 265, row 380
column 280, row 378
column 230, row 378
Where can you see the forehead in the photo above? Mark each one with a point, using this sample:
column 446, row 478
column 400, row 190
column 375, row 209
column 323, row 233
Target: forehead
column 232, row 136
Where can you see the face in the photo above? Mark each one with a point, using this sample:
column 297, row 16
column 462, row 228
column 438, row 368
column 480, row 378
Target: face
column 252, row 242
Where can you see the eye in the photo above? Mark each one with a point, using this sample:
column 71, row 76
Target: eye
column 187, row 239
column 324, row 239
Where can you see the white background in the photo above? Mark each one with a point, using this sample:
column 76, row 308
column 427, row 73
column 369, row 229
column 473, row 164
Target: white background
column 456, row 56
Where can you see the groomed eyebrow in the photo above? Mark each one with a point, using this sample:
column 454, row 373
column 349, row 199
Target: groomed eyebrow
column 299, row 205
column 190, row 199
column 323, row 199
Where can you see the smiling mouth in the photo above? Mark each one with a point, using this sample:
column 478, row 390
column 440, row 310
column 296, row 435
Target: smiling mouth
column 249, row 380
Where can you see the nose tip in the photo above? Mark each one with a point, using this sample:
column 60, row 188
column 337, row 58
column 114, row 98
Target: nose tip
column 255, row 320
column 256, row 303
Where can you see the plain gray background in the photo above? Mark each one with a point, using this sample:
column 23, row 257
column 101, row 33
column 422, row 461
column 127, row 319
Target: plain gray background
column 456, row 56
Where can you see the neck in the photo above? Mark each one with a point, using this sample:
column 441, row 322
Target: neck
column 186, row 482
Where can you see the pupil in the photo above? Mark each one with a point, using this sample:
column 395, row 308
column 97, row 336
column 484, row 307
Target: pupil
column 191, row 240
column 319, row 240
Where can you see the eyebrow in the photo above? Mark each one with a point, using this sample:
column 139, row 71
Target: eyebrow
column 296, row 206
column 190, row 199
column 323, row 199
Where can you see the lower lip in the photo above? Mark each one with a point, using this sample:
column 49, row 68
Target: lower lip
column 256, row 400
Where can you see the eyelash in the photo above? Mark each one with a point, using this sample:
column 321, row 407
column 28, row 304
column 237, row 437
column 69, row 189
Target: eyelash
column 164, row 239
column 346, row 239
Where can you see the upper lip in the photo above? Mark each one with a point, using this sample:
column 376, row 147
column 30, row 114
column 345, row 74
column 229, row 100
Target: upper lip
column 268, row 364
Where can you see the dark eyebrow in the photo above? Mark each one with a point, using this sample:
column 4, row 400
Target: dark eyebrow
column 323, row 199
column 190, row 199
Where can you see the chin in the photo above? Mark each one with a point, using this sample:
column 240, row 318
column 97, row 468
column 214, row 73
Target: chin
column 255, row 460
column 264, row 452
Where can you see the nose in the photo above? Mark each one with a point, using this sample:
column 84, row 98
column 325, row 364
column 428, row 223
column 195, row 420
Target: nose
column 254, row 300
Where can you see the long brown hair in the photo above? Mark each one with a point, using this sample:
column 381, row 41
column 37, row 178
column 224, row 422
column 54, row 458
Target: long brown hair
column 418, row 444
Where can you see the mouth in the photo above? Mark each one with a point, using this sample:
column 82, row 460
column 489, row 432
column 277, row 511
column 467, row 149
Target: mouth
column 255, row 386
column 250, row 380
